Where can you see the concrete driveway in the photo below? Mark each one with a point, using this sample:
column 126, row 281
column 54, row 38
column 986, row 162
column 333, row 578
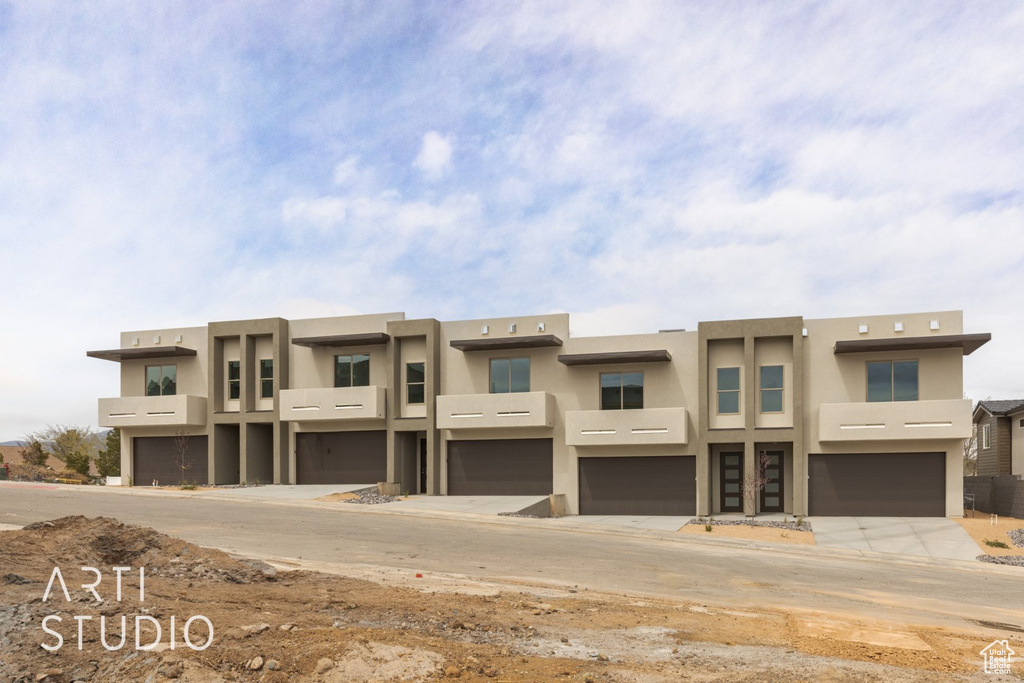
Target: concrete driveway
column 923, row 536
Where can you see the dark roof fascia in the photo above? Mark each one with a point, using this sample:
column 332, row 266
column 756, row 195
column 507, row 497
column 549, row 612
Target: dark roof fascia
column 503, row 343
column 969, row 343
column 363, row 339
column 146, row 353
column 613, row 357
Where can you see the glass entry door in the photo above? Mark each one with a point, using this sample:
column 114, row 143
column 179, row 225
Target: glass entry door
column 771, row 495
column 731, row 472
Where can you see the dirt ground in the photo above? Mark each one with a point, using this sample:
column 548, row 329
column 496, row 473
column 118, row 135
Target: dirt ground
column 983, row 527
column 272, row 624
column 751, row 533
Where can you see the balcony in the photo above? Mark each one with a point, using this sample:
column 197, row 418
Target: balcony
column 650, row 426
column 495, row 411
column 153, row 411
column 900, row 420
column 341, row 403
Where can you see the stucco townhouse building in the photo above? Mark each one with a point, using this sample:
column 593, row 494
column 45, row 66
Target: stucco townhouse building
column 848, row 416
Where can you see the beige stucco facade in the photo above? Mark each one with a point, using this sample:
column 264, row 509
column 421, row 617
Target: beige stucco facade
column 820, row 408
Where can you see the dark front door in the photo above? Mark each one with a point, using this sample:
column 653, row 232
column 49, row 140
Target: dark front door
column 423, row 465
column 731, row 482
column 771, row 494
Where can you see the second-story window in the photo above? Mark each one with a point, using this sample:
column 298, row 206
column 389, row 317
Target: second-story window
column 728, row 391
column 892, row 381
column 352, row 371
column 510, row 375
column 622, row 390
column 986, row 436
column 161, row 380
column 234, row 379
column 415, row 377
column 267, row 378
column 771, row 388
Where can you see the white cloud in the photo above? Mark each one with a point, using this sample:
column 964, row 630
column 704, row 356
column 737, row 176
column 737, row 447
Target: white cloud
column 435, row 156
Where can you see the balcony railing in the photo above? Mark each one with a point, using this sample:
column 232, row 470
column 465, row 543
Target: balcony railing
column 495, row 411
column 626, row 427
column 948, row 419
column 153, row 411
column 341, row 403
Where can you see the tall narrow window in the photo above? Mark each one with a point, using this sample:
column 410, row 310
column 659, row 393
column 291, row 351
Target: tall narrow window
column 622, row 390
column 414, row 382
column 986, row 436
column 771, row 388
column 510, row 375
column 892, row 381
column 352, row 371
column 267, row 378
column 234, row 379
column 728, row 391
column 161, row 380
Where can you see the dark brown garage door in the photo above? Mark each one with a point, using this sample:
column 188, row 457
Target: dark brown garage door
column 503, row 467
column 877, row 485
column 157, row 458
column 664, row 485
column 341, row 457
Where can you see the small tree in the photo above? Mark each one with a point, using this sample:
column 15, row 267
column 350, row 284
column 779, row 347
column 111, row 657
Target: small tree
column 74, row 446
column 181, row 455
column 33, row 452
column 754, row 482
column 108, row 461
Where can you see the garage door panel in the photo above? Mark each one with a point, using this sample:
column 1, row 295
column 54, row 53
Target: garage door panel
column 664, row 485
column 341, row 457
column 155, row 458
column 877, row 484
column 501, row 467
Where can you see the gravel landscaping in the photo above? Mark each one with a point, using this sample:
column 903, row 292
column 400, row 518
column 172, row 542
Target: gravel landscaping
column 1012, row 560
column 788, row 525
column 370, row 497
column 1017, row 536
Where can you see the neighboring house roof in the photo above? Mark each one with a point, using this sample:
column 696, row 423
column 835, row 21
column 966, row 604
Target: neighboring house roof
column 998, row 408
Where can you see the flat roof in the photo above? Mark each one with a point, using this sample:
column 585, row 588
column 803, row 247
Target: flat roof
column 968, row 342
column 501, row 343
column 363, row 339
column 144, row 353
column 653, row 356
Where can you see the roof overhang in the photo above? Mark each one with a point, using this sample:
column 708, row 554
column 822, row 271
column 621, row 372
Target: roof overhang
column 365, row 339
column 653, row 356
column 503, row 343
column 969, row 343
column 147, row 353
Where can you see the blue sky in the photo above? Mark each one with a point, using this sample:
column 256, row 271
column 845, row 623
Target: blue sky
column 639, row 165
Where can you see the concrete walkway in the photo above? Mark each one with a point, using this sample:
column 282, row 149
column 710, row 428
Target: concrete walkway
column 477, row 505
column 922, row 536
column 285, row 491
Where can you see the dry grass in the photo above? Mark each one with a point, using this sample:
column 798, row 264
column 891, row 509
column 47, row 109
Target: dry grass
column 981, row 529
column 751, row 533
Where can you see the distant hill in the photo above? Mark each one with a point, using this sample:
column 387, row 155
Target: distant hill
column 12, row 443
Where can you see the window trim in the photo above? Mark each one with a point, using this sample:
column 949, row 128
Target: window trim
column 719, row 391
column 234, row 382
column 265, row 379
column 490, row 375
column 622, row 393
column 160, row 384
column 781, row 390
column 892, row 380
column 351, row 370
column 422, row 384
column 986, row 435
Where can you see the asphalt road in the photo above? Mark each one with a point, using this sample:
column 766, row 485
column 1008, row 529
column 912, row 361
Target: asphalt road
column 665, row 565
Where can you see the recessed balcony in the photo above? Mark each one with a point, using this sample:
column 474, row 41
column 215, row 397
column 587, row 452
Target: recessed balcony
column 648, row 426
column 898, row 420
column 495, row 411
column 153, row 411
column 333, row 403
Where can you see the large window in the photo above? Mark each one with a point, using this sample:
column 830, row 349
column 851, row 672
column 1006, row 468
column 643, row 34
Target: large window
column 234, row 379
column 352, row 371
column 510, row 375
column 771, row 388
column 414, row 382
column 728, row 391
column 892, row 381
column 267, row 378
column 622, row 390
column 161, row 380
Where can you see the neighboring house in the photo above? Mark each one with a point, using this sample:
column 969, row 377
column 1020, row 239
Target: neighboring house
column 856, row 416
column 1000, row 434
